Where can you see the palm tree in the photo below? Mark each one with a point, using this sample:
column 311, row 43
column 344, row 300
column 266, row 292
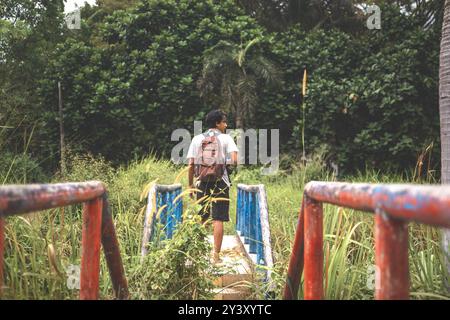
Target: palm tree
column 278, row 15
column 232, row 75
column 444, row 113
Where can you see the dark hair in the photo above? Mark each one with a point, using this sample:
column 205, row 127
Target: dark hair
column 215, row 116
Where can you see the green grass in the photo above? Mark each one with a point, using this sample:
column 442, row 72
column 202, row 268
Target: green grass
column 40, row 246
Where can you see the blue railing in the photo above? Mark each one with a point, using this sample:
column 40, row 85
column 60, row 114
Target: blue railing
column 161, row 201
column 252, row 224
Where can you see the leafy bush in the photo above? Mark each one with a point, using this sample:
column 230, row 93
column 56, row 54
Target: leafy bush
column 371, row 100
column 126, row 95
column 179, row 269
column 85, row 167
column 20, row 168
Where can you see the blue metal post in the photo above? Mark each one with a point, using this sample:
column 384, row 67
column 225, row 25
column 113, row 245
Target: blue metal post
column 259, row 241
column 252, row 222
column 238, row 209
column 167, row 215
column 243, row 215
column 159, row 203
column 246, row 217
column 178, row 207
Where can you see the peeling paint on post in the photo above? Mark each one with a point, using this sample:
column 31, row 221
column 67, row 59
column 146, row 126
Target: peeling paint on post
column 112, row 252
column 251, row 209
column 391, row 258
column 420, row 203
column 18, row 199
column 97, row 224
column 90, row 258
column 313, row 249
column 394, row 206
column 295, row 268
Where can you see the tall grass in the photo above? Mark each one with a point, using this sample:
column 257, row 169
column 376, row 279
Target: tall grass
column 41, row 246
column 348, row 238
column 17, row 166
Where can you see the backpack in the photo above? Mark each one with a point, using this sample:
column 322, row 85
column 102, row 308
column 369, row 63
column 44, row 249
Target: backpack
column 208, row 166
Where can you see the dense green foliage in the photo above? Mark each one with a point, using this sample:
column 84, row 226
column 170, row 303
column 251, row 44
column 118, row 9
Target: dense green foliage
column 128, row 94
column 29, row 32
column 231, row 77
column 370, row 101
column 130, row 75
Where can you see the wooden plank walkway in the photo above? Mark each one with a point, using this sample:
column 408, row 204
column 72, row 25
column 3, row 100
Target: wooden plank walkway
column 238, row 272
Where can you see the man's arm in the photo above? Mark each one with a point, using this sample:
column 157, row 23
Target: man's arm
column 191, row 158
column 231, row 164
column 233, row 160
column 233, row 151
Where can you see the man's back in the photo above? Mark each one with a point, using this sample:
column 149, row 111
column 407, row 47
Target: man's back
column 227, row 146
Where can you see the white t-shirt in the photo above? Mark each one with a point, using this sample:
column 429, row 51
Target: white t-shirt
column 227, row 146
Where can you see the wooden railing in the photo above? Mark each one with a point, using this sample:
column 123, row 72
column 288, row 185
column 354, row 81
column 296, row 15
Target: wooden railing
column 394, row 206
column 98, row 227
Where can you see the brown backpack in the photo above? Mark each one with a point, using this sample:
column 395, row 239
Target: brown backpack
column 209, row 165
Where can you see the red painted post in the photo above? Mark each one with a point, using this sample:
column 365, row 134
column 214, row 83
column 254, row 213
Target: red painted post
column 17, row 199
column 313, row 273
column 112, row 253
column 2, row 250
column 90, row 256
column 296, row 262
column 391, row 258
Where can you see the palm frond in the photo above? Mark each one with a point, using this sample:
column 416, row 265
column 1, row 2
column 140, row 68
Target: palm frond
column 242, row 53
column 230, row 77
column 265, row 70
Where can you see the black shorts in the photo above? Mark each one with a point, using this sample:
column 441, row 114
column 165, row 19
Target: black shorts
column 219, row 208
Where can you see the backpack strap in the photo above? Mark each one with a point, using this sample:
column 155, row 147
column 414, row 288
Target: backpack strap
column 206, row 133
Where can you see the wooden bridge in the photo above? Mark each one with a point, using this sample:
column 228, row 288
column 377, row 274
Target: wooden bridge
column 241, row 252
column 394, row 207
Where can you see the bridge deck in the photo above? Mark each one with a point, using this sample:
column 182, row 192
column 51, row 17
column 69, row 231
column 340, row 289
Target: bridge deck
column 237, row 271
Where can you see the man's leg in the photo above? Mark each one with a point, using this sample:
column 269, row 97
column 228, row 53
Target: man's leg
column 218, row 238
column 219, row 214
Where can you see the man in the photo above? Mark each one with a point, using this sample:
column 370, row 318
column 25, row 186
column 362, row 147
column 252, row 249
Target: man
column 211, row 156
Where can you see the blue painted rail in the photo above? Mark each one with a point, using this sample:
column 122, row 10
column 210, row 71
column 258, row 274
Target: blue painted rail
column 161, row 199
column 252, row 224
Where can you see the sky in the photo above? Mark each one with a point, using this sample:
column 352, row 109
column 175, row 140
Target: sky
column 70, row 4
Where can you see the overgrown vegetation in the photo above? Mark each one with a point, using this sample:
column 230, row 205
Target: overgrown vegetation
column 179, row 268
column 131, row 75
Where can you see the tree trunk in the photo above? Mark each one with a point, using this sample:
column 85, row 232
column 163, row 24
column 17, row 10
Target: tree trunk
column 239, row 119
column 444, row 113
